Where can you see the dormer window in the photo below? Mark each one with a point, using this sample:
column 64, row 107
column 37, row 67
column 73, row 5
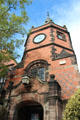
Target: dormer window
column 61, row 36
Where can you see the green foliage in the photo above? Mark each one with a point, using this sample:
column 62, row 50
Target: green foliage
column 13, row 17
column 72, row 110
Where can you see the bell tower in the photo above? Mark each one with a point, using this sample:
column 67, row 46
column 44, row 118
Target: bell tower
column 47, row 75
column 50, row 42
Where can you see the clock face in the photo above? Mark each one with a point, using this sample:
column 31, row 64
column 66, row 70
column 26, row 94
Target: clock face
column 39, row 38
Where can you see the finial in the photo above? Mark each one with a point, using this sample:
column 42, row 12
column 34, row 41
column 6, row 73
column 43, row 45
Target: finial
column 48, row 20
column 32, row 27
column 47, row 14
column 65, row 27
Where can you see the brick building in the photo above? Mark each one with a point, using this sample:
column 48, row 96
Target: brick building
column 46, row 77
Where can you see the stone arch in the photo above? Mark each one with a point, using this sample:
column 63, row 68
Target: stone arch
column 28, row 109
column 23, row 99
column 36, row 67
column 39, row 61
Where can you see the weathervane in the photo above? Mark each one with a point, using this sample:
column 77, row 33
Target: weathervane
column 47, row 14
column 48, row 20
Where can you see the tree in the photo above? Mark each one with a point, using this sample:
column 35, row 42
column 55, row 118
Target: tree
column 72, row 110
column 13, row 17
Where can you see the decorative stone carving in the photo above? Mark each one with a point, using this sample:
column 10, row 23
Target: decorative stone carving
column 51, row 35
column 25, row 80
column 63, row 54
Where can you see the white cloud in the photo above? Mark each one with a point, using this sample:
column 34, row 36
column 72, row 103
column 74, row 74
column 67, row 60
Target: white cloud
column 71, row 17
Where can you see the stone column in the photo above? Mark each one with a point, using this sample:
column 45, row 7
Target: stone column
column 54, row 98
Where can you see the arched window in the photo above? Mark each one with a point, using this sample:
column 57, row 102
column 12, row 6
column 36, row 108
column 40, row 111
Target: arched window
column 38, row 69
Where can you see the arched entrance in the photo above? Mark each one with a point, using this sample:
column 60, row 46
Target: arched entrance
column 29, row 111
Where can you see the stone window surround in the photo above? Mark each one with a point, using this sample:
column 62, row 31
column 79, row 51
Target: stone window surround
column 35, row 65
column 59, row 33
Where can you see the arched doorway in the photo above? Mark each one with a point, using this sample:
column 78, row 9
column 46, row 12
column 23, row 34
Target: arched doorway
column 29, row 111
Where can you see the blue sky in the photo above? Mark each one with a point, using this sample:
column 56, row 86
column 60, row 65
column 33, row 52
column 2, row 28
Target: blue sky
column 58, row 9
column 37, row 11
column 62, row 12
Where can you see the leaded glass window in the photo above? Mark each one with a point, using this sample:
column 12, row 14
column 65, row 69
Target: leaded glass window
column 37, row 70
column 41, row 74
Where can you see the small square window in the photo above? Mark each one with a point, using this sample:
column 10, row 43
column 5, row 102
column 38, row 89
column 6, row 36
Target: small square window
column 61, row 36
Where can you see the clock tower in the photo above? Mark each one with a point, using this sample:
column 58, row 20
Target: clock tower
column 46, row 77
